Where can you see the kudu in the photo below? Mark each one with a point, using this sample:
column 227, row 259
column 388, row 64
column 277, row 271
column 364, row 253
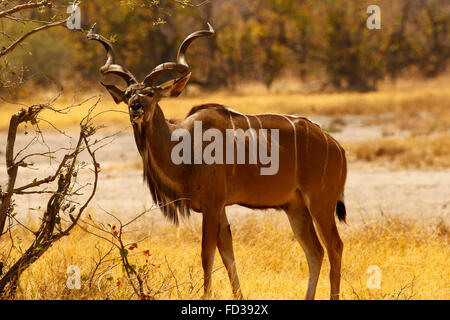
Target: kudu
column 308, row 186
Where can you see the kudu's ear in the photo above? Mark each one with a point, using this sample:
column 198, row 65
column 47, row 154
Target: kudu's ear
column 118, row 94
column 173, row 88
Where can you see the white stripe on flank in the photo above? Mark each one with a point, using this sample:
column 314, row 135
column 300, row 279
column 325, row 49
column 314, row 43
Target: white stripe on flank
column 249, row 125
column 231, row 119
column 307, row 141
column 326, row 160
column 295, row 143
column 234, row 130
column 255, row 140
column 260, row 126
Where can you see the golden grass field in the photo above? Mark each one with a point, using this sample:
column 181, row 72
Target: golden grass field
column 413, row 260
column 412, row 253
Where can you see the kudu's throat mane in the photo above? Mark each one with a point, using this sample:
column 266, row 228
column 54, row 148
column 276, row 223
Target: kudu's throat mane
column 170, row 201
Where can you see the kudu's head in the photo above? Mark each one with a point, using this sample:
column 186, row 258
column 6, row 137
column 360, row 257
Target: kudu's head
column 142, row 97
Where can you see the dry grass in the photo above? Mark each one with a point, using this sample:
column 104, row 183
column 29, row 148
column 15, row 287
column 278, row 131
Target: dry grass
column 414, row 262
column 404, row 98
column 422, row 151
column 134, row 164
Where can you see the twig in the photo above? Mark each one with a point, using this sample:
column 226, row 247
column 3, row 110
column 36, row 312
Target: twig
column 25, row 6
column 188, row 3
column 26, row 35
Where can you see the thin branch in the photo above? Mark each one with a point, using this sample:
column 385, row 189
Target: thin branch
column 25, row 6
column 188, row 3
column 45, row 180
column 94, row 188
column 26, row 35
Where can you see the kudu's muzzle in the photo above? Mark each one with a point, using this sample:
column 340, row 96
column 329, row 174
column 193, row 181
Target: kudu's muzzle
column 136, row 110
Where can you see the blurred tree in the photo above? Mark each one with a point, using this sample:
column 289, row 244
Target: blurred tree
column 256, row 40
column 398, row 51
column 352, row 52
column 434, row 22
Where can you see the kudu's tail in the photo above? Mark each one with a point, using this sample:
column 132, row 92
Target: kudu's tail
column 340, row 209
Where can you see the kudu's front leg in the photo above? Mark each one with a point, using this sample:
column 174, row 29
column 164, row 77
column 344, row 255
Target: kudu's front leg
column 225, row 245
column 210, row 232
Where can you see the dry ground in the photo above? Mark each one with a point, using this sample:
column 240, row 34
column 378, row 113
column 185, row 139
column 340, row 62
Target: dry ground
column 397, row 198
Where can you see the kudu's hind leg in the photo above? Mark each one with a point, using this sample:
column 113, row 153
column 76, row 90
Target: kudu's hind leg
column 225, row 245
column 302, row 225
column 326, row 226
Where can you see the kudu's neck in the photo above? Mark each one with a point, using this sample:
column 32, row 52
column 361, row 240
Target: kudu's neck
column 153, row 139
